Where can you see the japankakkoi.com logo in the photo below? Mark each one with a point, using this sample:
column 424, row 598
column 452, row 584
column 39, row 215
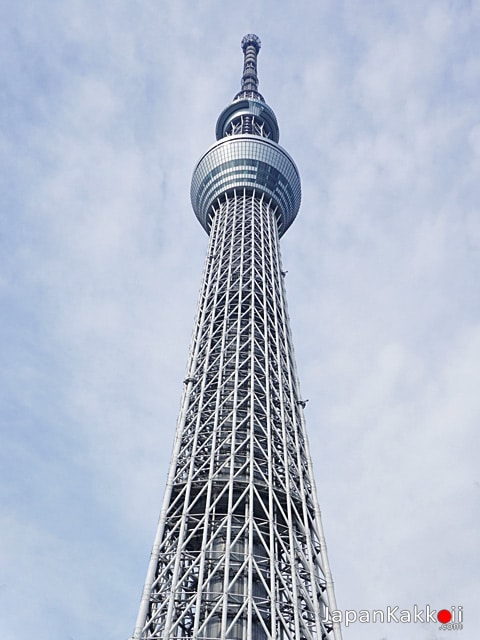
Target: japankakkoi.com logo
column 449, row 619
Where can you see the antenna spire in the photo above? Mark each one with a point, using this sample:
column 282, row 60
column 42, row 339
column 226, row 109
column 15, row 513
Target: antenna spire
column 251, row 46
column 248, row 113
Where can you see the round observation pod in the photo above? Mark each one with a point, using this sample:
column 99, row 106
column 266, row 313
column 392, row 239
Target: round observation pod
column 263, row 121
column 251, row 163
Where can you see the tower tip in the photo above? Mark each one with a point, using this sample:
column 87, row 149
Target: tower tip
column 251, row 39
column 251, row 46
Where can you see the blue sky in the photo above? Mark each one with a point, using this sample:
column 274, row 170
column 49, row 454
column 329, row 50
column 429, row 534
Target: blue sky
column 106, row 107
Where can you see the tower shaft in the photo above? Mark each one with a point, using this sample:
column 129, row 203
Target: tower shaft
column 239, row 551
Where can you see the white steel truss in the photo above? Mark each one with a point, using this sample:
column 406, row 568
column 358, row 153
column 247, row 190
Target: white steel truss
column 239, row 552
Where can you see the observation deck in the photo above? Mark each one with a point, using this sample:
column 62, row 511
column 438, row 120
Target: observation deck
column 247, row 155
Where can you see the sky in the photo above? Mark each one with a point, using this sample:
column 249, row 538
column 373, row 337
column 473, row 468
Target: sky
column 105, row 109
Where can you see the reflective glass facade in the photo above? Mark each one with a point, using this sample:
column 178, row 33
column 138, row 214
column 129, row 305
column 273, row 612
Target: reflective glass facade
column 248, row 162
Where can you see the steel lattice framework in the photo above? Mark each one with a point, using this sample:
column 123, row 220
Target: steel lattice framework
column 239, row 551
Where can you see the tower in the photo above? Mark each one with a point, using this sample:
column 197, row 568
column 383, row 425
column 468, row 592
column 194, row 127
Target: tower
column 239, row 551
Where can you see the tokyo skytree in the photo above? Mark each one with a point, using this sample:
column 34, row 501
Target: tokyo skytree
column 239, row 551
